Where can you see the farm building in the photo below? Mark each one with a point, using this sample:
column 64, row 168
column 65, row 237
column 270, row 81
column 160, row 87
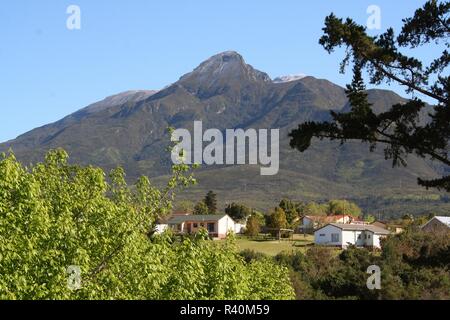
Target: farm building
column 342, row 235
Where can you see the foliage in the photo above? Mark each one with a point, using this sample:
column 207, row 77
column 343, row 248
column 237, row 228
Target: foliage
column 291, row 210
column 403, row 129
column 253, row 226
column 414, row 265
column 238, row 212
column 55, row 215
column 369, row 218
column 250, row 255
column 201, row 208
column 277, row 219
column 185, row 206
column 314, row 209
column 340, row 207
column 211, row 202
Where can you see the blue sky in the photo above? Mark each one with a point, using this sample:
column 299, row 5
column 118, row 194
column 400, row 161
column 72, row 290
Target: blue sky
column 48, row 71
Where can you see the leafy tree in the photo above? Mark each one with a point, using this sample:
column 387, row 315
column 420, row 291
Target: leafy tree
column 277, row 219
column 201, row 208
column 238, row 212
column 260, row 216
column 291, row 210
column 401, row 129
column 211, row 202
column 185, row 206
column 340, row 207
column 253, row 226
column 55, row 215
column 314, row 209
column 369, row 218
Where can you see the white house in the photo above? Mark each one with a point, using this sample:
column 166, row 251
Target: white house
column 217, row 225
column 342, row 235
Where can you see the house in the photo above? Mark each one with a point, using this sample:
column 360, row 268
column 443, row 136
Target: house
column 437, row 224
column 313, row 222
column 217, row 225
column 343, row 234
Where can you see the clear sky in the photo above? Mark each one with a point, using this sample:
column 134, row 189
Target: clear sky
column 48, row 71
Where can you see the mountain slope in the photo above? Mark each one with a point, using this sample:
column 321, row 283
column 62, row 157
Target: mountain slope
column 129, row 129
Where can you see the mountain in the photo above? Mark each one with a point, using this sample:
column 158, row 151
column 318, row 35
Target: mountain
column 289, row 78
column 129, row 129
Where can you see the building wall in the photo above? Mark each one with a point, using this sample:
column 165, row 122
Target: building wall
column 323, row 236
column 376, row 240
column 348, row 237
column 239, row 228
column 224, row 225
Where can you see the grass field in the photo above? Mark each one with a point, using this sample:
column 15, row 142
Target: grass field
column 273, row 247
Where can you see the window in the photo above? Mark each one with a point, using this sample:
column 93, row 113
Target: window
column 195, row 225
column 202, row 225
column 369, row 236
column 359, row 236
column 211, row 227
column 335, row 237
column 322, row 235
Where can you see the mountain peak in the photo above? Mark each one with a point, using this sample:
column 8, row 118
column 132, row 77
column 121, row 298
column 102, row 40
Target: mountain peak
column 222, row 70
column 221, row 62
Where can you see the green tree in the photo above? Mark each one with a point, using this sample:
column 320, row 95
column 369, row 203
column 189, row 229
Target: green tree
column 55, row 215
column 340, row 207
column 211, row 202
column 185, row 206
column 402, row 130
column 238, row 212
column 253, row 226
column 314, row 209
column 291, row 210
column 277, row 219
column 369, row 218
column 201, row 208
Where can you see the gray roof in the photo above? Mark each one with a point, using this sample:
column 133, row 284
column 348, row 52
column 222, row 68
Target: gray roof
column 195, row 218
column 444, row 220
column 360, row 227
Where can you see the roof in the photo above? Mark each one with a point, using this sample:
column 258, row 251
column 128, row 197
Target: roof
column 195, row 218
column 358, row 227
column 442, row 219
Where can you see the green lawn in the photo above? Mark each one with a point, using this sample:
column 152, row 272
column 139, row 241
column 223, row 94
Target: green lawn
column 273, row 247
